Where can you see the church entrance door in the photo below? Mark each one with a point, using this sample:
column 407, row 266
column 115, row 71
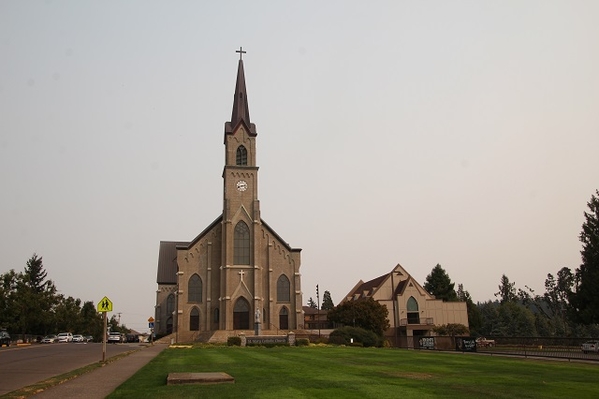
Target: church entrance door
column 284, row 319
column 241, row 315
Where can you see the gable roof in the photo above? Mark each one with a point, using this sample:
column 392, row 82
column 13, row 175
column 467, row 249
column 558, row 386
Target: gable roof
column 167, row 262
column 369, row 288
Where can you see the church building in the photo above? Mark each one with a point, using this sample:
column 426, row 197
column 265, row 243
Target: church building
column 413, row 312
column 238, row 271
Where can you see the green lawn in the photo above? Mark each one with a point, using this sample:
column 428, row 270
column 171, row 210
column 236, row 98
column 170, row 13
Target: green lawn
column 349, row 372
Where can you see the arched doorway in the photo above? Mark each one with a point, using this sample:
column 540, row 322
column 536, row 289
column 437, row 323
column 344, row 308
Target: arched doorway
column 284, row 319
column 194, row 319
column 241, row 315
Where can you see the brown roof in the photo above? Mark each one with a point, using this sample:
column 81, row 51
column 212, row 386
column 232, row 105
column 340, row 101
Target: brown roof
column 241, row 110
column 167, row 262
column 369, row 286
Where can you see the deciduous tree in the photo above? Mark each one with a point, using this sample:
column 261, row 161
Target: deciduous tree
column 365, row 313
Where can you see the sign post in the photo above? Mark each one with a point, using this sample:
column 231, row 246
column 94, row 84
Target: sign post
column 151, row 327
column 104, row 306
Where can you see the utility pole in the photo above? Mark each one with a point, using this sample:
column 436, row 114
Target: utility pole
column 318, row 309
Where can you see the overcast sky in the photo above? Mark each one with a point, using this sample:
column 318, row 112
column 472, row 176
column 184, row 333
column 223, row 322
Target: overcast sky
column 463, row 133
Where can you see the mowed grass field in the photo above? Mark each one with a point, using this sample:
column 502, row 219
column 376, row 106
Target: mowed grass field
column 350, row 372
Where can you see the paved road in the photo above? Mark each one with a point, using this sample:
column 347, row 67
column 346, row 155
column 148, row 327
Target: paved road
column 23, row 366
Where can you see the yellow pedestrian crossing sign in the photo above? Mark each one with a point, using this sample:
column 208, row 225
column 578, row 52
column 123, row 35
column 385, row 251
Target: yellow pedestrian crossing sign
column 105, row 305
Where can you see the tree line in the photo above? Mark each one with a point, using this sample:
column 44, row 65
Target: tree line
column 569, row 307
column 30, row 304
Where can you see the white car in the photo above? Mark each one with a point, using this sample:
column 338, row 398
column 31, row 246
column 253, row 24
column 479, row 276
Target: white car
column 115, row 337
column 590, row 346
column 78, row 338
column 65, row 337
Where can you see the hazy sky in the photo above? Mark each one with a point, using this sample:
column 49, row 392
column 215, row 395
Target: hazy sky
column 463, row 133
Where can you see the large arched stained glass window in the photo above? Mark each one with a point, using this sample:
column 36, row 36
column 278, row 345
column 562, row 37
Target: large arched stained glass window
column 413, row 314
column 194, row 289
column 283, row 289
column 242, row 244
column 170, row 304
column 242, row 156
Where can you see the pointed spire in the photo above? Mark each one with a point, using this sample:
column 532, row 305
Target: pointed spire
column 241, row 111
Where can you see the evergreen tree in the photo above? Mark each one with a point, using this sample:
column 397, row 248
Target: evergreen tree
column 515, row 320
column 439, row 284
column 557, row 298
column 36, row 298
column 490, row 318
column 585, row 301
column 327, row 302
column 312, row 304
column 507, row 290
column 474, row 315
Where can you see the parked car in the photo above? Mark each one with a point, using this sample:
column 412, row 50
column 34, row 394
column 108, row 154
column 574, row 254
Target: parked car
column 49, row 339
column 78, row 338
column 132, row 338
column 4, row 338
column 88, row 338
column 482, row 342
column 590, row 346
column 115, row 337
column 65, row 337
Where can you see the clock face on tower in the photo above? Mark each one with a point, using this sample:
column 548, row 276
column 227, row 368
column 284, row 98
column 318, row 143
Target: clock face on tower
column 242, row 185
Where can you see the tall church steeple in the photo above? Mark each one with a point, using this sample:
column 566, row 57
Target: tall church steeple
column 241, row 110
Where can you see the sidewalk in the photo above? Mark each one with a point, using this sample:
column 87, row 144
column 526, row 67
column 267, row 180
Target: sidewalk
column 101, row 382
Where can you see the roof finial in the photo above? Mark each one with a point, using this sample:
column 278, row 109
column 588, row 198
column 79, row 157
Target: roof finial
column 241, row 53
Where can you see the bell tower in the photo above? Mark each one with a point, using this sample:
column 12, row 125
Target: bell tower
column 241, row 208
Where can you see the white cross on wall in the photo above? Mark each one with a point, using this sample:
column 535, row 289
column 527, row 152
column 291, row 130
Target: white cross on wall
column 241, row 273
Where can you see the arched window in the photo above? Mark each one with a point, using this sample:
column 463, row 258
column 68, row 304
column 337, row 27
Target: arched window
column 413, row 315
column 194, row 289
column 194, row 319
column 242, row 156
column 170, row 304
column 241, row 314
column 216, row 315
column 242, row 244
column 284, row 319
column 283, row 289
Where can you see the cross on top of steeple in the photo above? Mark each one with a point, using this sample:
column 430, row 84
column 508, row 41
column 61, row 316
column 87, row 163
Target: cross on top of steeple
column 241, row 53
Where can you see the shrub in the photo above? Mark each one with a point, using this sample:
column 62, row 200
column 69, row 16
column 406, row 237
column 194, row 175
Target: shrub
column 344, row 335
column 302, row 342
column 234, row 341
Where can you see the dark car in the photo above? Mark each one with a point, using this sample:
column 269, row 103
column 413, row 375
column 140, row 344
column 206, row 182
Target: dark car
column 4, row 339
column 131, row 338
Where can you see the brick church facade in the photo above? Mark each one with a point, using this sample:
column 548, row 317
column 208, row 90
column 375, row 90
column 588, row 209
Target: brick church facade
column 238, row 270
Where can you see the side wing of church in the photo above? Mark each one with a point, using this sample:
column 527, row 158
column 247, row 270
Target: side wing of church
column 237, row 271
